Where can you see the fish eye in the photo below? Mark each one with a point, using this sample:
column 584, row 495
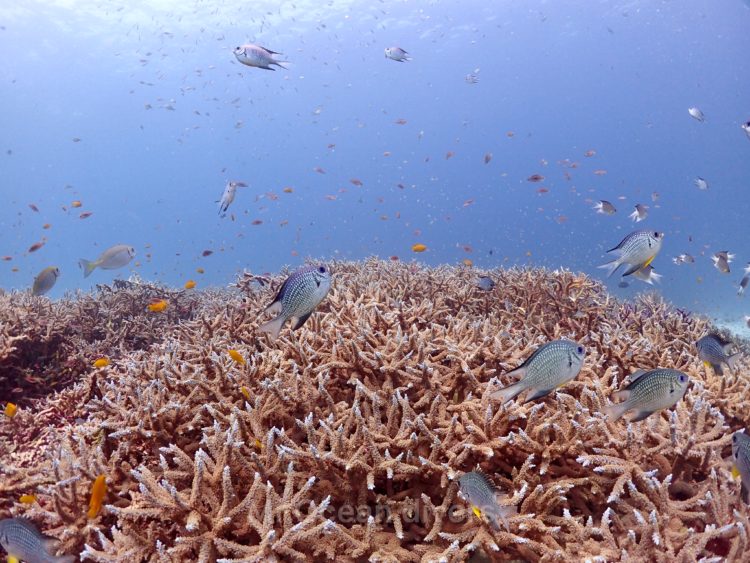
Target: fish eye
column 579, row 349
column 683, row 378
column 656, row 234
column 322, row 269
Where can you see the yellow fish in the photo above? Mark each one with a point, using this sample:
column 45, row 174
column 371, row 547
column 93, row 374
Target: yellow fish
column 27, row 499
column 246, row 392
column 236, row 356
column 418, row 247
column 157, row 306
column 98, row 490
column 10, row 410
column 190, row 284
column 468, row 262
column 101, row 363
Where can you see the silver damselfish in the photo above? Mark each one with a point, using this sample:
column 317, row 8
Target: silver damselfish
column 23, row 540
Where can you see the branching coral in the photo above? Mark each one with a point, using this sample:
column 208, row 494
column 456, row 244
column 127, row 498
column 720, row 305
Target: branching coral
column 345, row 439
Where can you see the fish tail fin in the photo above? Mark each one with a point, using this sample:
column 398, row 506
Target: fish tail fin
column 272, row 327
column 615, row 411
column 281, row 64
column 87, row 266
column 611, row 267
column 508, row 393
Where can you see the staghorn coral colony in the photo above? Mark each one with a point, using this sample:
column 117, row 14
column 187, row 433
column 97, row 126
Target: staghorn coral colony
column 346, row 439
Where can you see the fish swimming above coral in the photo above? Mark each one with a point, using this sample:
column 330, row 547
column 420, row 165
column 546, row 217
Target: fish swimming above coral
column 397, row 54
column 604, row 207
column 297, row 298
column 258, row 57
column 550, row 366
column 227, row 197
column 485, row 283
column 479, row 492
column 637, row 250
column 744, row 281
column 111, row 259
column 24, row 542
column 45, row 280
column 713, row 351
column 648, row 392
column 741, row 454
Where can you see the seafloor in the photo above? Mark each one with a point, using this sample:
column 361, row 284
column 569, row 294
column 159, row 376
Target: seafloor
column 343, row 440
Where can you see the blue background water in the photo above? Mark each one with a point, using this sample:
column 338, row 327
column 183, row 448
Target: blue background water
column 564, row 77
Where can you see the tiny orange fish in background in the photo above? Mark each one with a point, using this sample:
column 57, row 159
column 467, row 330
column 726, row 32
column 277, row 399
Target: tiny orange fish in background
column 236, row 356
column 257, row 222
column 200, row 271
column 449, row 154
column 85, row 214
column 36, row 246
column 468, row 262
column 76, row 204
column 10, row 410
column 510, row 134
column 157, row 305
column 246, row 392
column 418, row 247
column 319, row 170
column 288, row 190
column 589, row 153
column 98, row 490
column 7, row 258
column 34, row 207
column 487, row 157
column 400, row 121
column 101, row 362
column 356, row 182
column 46, row 226
column 27, row 499
column 190, row 284
column 394, row 258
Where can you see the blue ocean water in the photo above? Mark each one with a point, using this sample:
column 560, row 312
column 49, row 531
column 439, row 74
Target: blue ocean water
column 141, row 111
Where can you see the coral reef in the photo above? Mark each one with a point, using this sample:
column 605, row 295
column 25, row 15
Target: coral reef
column 345, row 439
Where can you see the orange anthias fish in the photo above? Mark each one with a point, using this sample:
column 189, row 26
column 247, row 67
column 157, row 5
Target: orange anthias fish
column 190, row 284
column 101, row 363
column 76, row 204
column 157, row 305
column 98, row 490
column 418, row 247
column 10, row 410
column 27, row 499
column 236, row 356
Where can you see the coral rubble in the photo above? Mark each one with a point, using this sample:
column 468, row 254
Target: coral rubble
column 345, row 439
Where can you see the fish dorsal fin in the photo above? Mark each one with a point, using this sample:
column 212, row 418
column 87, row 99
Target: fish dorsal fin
column 486, row 478
column 635, row 376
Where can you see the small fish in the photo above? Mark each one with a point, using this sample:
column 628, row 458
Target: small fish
column 200, row 271
column 45, row 280
column 683, row 259
column 356, row 181
column 535, row 178
column 85, row 214
column 744, row 281
column 701, row 183
column 111, row 259
column 288, row 190
column 76, row 203
column 98, row 491
column 418, row 247
column 47, row 226
column 648, row 275
column 655, row 196
column 401, row 121
column 741, row 454
column 206, row 253
column 472, row 78
column 230, row 190
column 713, row 351
column 467, row 262
column 236, row 356
column 36, row 246
column 604, row 207
column 101, row 363
column 485, row 283
column 27, row 499
column 746, row 128
column 721, row 261
column 33, row 207
column 637, row 250
column 487, row 157
column 476, row 489
column 640, row 213
column 297, row 298
column 190, row 284
column 648, row 392
column 245, row 392
column 10, row 410
column 599, row 172
column 23, row 541
column 549, row 367
column 397, row 54
column 257, row 56
column 589, row 153
column 157, row 305
column 695, row 113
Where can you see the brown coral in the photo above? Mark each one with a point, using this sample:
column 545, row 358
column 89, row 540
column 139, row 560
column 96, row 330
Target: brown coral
column 344, row 439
